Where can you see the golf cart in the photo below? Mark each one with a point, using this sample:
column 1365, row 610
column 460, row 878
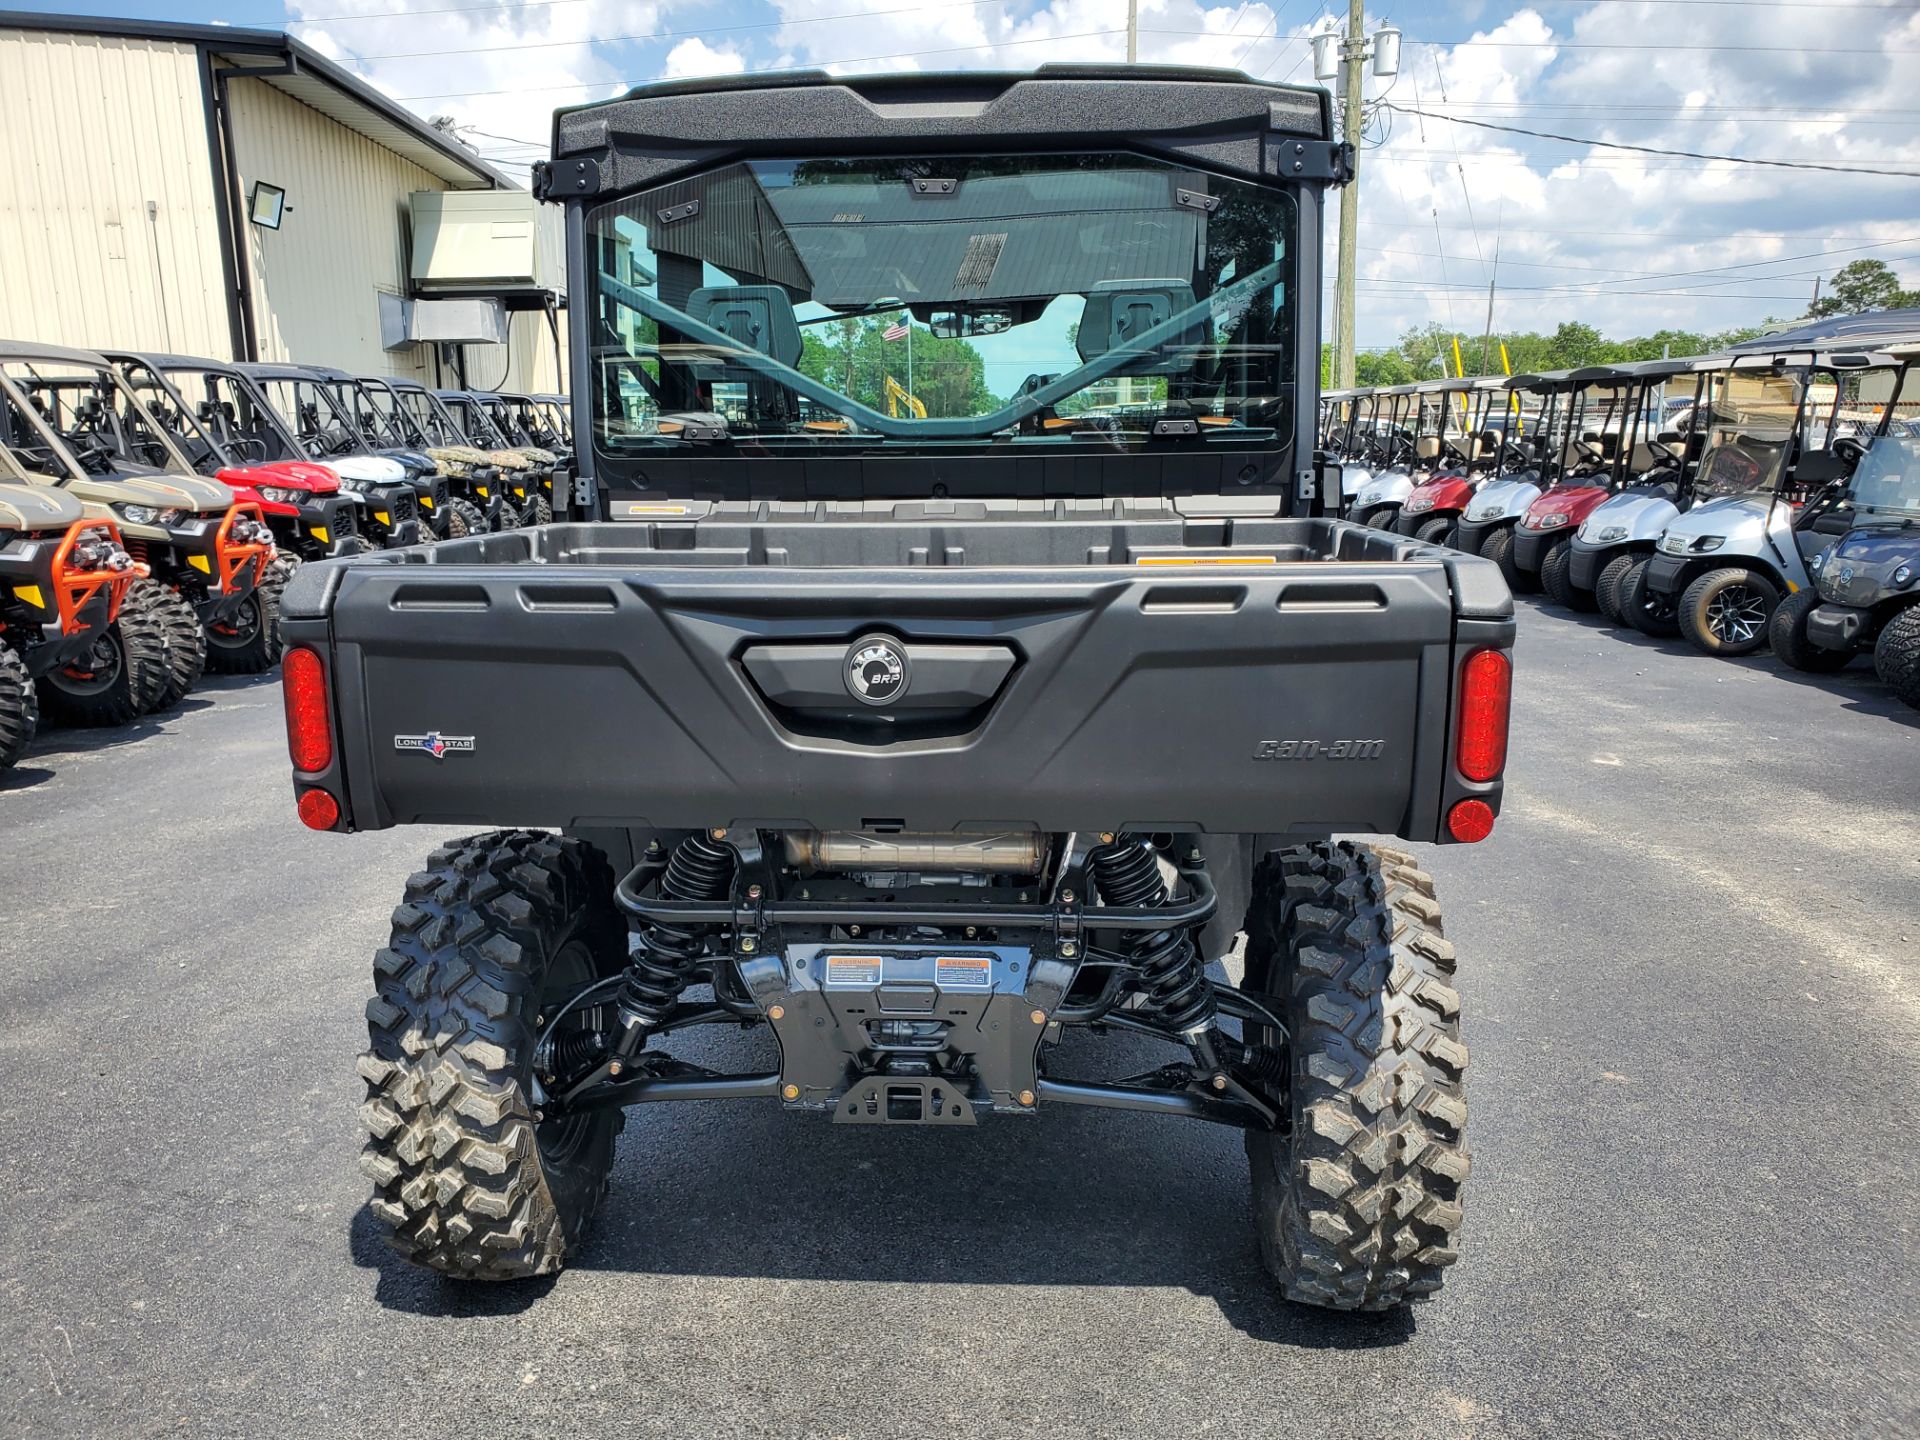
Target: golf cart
column 74, row 422
column 220, row 433
column 1486, row 525
column 1720, row 568
column 1599, row 455
column 1389, row 447
column 1622, row 529
column 1866, row 591
column 1446, row 477
column 1340, row 442
column 64, row 623
column 377, row 484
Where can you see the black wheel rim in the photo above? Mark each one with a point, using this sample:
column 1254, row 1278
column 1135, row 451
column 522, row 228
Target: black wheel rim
column 561, row 1137
column 1736, row 615
column 240, row 632
column 95, row 672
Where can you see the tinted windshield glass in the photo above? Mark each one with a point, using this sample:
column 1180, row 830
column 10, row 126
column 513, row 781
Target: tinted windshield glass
column 1887, row 479
column 1056, row 299
column 1748, row 421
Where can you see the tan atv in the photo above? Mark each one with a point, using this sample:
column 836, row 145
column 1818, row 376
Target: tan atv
column 70, row 420
column 66, row 627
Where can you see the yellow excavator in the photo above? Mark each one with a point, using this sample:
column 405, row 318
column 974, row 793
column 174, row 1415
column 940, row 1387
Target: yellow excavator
column 900, row 398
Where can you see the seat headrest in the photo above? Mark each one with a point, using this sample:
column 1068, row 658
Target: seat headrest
column 1118, row 311
column 757, row 317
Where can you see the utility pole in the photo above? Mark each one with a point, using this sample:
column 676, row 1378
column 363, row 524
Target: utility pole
column 1493, row 279
column 1133, row 31
column 1350, row 55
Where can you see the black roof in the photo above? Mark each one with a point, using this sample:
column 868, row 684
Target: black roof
column 1873, row 329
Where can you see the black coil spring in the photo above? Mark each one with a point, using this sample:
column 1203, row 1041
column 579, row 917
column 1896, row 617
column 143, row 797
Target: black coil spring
column 663, row 964
column 1172, row 973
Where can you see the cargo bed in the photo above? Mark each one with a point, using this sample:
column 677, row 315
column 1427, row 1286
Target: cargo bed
column 1073, row 665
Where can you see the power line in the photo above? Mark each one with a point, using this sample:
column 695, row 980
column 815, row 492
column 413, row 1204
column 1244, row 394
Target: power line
column 1656, row 149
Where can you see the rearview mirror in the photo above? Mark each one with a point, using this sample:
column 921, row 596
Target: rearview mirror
column 957, row 324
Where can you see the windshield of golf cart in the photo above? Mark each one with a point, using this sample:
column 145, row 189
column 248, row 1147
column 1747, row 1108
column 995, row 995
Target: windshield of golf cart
column 1887, row 479
column 861, row 305
column 96, row 417
column 1749, row 421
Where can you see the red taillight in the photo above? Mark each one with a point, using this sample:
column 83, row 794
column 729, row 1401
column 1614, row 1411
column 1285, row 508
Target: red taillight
column 318, row 810
column 1470, row 820
column 1486, row 688
column 303, row 684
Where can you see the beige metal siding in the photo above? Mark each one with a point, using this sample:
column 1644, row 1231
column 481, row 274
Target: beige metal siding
column 317, row 279
column 94, row 128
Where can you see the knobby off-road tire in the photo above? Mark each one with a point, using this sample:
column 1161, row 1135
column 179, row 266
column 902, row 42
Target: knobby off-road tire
column 1606, row 586
column 1787, row 631
column 1727, row 611
column 537, row 511
column 19, row 708
column 119, row 676
column 1644, row 608
column 463, row 518
column 1896, row 656
column 182, row 639
column 1360, row 1207
column 1499, row 549
column 497, row 929
column 252, row 642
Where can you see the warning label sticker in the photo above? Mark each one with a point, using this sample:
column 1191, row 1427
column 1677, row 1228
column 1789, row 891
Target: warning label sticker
column 853, row 969
column 963, row 972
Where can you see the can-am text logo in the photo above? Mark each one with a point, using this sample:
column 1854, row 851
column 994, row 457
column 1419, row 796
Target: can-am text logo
column 1318, row 749
column 433, row 743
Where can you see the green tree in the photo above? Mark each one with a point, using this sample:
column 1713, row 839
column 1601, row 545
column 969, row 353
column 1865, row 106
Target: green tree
column 949, row 375
column 1862, row 285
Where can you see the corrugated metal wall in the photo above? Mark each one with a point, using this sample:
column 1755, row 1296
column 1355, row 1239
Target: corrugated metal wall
column 317, row 279
column 93, row 129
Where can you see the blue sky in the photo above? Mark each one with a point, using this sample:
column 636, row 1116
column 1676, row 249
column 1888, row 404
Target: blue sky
column 1628, row 242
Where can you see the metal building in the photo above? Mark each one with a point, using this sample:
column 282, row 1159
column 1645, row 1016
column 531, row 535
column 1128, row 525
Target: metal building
column 233, row 193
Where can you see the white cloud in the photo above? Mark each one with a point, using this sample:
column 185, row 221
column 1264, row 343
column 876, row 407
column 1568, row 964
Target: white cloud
column 695, row 57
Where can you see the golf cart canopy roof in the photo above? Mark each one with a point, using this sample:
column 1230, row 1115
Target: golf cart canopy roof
column 1669, row 366
column 1454, row 386
column 1874, row 330
column 1539, row 381
column 1802, row 360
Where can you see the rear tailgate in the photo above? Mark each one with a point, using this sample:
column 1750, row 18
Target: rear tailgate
column 1299, row 698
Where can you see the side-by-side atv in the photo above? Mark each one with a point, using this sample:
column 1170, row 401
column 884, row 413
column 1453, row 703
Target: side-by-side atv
column 513, row 418
column 1767, row 463
column 73, row 421
column 526, row 472
column 383, row 492
column 477, row 500
column 943, row 748
column 64, row 624
column 389, row 429
column 299, row 499
column 1866, row 591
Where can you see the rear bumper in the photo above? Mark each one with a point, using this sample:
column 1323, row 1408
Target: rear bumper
column 1291, row 698
column 1838, row 627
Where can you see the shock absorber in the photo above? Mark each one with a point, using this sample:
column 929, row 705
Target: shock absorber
column 1172, row 972
column 666, row 955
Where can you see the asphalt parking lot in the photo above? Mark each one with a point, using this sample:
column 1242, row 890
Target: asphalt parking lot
column 1691, row 968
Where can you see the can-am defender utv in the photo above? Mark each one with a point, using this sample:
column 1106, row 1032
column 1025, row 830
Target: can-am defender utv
column 214, row 578
column 1719, row 570
column 523, row 469
column 476, row 500
column 867, row 716
column 64, row 578
column 1866, row 590
column 514, row 418
column 209, row 412
column 391, row 431
column 386, row 511
column 1622, row 529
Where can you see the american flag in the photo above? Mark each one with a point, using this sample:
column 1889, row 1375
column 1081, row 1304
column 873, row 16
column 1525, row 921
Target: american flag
column 895, row 331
